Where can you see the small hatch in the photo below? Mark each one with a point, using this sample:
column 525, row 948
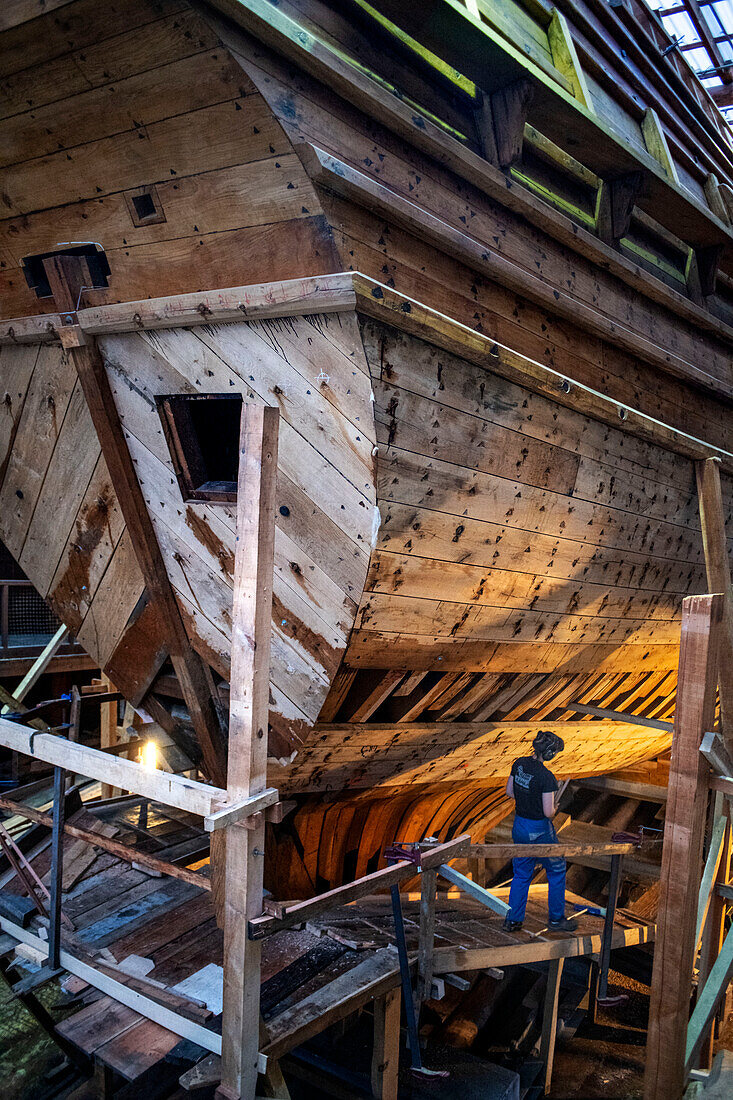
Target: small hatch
column 202, row 431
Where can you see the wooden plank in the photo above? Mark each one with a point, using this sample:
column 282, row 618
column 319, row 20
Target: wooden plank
column 682, row 851
column 301, row 911
column 137, row 1049
column 317, row 294
column 367, row 649
column 656, row 142
column 708, row 1000
column 107, row 844
column 710, row 874
column 619, row 716
column 166, row 787
column 714, row 930
column 448, row 959
column 386, row 1050
column 33, row 441
column 645, row 792
column 121, row 992
column 543, row 851
column 248, row 717
column 239, row 811
column 549, row 1021
column 473, row 890
column 717, row 564
column 244, row 133
column 372, row 978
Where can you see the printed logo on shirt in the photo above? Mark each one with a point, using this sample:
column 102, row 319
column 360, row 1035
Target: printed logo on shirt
column 522, row 778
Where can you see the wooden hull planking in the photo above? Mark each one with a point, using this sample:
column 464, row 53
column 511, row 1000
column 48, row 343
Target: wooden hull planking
column 487, row 508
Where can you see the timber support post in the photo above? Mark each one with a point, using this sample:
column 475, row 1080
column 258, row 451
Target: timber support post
column 247, row 768
column 549, row 1021
column 717, row 566
column 684, row 832
column 386, row 1053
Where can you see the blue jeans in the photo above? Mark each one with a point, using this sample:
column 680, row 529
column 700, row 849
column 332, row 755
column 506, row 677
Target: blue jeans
column 526, row 831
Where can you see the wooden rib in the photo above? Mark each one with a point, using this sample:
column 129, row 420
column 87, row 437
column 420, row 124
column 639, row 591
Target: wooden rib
column 376, row 697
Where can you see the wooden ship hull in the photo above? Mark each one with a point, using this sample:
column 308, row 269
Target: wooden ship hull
column 491, row 400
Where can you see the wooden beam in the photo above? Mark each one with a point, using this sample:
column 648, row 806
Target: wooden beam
column 615, row 206
column 319, row 294
column 708, row 262
column 386, row 1050
column 714, row 927
column 426, row 939
column 108, row 734
column 715, row 751
column 717, row 566
column 565, row 57
column 708, row 1000
column 544, row 851
column 655, row 140
column 713, row 194
column 301, row 911
column 684, row 832
column 107, row 844
column 549, row 1021
column 473, row 890
column 710, row 874
column 173, row 790
column 233, row 812
column 509, row 107
column 13, row 705
column 248, row 719
column 66, row 276
column 645, row 792
column 449, row 959
column 620, row 716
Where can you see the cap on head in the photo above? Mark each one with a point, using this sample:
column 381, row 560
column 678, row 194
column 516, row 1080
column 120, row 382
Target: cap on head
column 547, row 744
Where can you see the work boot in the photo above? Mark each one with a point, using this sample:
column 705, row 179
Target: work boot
column 563, row 925
column 512, row 925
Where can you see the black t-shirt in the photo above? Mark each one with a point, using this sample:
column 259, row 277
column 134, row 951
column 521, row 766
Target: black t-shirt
column 531, row 780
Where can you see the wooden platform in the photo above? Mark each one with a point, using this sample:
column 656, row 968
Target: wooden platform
column 158, row 936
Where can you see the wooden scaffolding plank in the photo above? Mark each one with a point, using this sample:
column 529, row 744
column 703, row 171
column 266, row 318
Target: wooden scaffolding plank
column 682, row 853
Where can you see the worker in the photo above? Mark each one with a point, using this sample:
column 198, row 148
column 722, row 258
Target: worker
column 533, row 788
